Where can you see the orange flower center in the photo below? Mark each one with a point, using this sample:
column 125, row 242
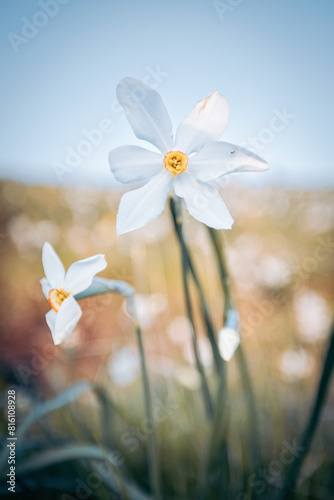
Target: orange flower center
column 176, row 162
column 56, row 298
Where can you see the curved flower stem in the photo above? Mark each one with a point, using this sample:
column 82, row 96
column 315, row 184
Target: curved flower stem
column 216, row 454
column 102, row 286
column 152, row 445
column 223, row 274
column 199, row 365
column 306, row 440
column 203, row 305
column 241, row 358
column 185, row 274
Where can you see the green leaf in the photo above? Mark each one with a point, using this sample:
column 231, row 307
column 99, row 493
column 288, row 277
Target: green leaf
column 113, row 479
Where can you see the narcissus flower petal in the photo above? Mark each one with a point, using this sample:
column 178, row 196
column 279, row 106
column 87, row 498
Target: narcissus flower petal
column 146, row 113
column 206, row 122
column 133, row 163
column 53, row 266
column 203, row 202
column 142, row 205
column 66, row 319
column 220, row 158
column 80, row 274
column 46, row 287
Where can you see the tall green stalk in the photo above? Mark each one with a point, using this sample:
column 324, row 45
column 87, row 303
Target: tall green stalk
column 240, row 356
column 153, row 464
column 216, row 454
column 175, row 210
column 185, row 274
column 307, row 436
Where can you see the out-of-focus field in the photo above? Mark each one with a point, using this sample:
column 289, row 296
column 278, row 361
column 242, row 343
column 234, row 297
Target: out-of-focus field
column 280, row 258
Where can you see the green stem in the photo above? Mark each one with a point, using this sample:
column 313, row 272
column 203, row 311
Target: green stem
column 223, row 274
column 151, row 440
column 241, row 358
column 199, row 365
column 306, row 440
column 203, row 305
column 216, row 453
column 185, row 273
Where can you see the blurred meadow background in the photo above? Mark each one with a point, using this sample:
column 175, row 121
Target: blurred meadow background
column 283, row 287
column 61, row 63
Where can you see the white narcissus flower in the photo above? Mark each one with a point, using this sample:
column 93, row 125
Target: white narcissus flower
column 190, row 175
column 60, row 287
column 228, row 342
column 228, row 336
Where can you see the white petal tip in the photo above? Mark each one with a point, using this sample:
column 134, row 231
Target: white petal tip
column 228, row 342
column 261, row 166
column 103, row 261
column 225, row 227
column 121, row 228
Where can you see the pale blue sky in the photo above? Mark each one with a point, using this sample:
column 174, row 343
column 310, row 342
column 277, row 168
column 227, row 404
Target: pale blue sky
column 267, row 57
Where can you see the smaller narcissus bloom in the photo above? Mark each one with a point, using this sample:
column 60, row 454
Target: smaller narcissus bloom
column 60, row 288
column 190, row 164
column 229, row 337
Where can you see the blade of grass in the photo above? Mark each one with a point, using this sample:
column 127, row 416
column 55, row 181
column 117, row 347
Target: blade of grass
column 307, row 436
column 217, row 449
column 78, row 452
column 42, row 409
column 63, row 399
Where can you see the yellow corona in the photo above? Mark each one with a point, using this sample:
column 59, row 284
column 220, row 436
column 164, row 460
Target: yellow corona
column 176, row 162
column 56, row 298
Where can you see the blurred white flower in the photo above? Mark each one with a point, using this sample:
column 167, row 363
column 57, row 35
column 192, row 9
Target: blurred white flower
column 296, row 364
column 124, row 366
column 312, row 314
column 78, row 239
column 190, row 176
column 272, row 271
column 187, row 376
column 28, row 235
column 179, row 330
column 205, row 352
column 149, row 307
column 59, row 288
